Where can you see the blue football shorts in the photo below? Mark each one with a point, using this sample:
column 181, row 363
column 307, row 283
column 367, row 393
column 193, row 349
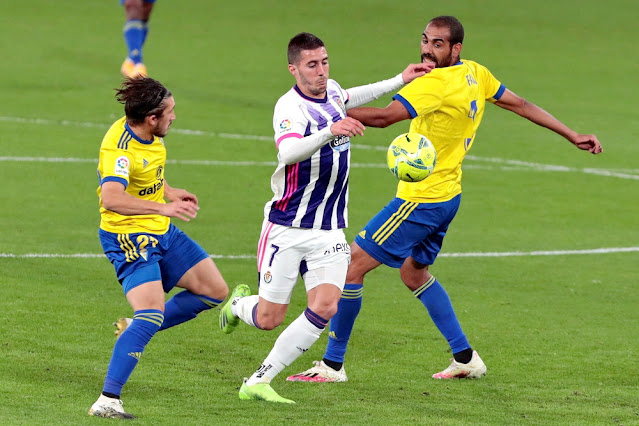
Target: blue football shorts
column 404, row 228
column 140, row 258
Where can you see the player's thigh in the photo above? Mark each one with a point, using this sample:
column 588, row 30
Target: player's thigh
column 205, row 279
column 324, row 270
column 149, row 295
column 180, row 254
column 361, row 264
column 280, row 253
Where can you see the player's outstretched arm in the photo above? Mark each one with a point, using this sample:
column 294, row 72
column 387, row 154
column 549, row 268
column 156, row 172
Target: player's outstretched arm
column 293, row 150
column 541, row 117
column 380, row 117
column 362, row 95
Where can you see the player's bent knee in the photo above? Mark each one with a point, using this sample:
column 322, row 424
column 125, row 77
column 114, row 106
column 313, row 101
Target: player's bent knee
column 269, row 320
column 324, row 308
column 269, row 323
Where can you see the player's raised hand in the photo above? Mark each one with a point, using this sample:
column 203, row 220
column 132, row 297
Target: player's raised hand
column 185, row 195
column 348, row 127
column 588, row 143
column 413, row 71
column 185, row 210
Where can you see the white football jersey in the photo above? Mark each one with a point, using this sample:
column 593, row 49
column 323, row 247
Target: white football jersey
column 314, row 192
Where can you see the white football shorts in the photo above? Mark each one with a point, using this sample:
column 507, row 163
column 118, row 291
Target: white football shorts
column 319, row 256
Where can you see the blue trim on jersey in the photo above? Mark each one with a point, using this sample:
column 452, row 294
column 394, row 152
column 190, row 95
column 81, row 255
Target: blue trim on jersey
column 500, row 92
column 136, row 137
column 406, row 104
column 458, row 63
column 319, row 101
column 114, row 179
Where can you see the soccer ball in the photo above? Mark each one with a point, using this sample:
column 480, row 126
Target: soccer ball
column 411, row 157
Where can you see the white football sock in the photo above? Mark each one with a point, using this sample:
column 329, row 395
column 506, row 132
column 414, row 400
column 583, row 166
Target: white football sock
column 243, row 308
column 293, row 342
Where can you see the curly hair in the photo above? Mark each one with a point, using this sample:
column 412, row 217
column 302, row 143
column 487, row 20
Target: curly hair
column 142, row 97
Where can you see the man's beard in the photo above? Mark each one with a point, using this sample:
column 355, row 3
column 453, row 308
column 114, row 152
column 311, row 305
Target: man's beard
column 446, row 62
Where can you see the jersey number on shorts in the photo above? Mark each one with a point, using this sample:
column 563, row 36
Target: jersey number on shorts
column 143, row 241
column 275, row 250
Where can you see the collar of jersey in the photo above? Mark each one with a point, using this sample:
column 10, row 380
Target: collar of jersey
column 136, row 137
column 319, row 101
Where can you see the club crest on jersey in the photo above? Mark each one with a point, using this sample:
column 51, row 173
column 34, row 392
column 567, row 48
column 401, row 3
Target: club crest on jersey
column 339, row 102
column 340, row 143
column 268, row 277
column 158, row 172
column 285, row 125
column 121, row 166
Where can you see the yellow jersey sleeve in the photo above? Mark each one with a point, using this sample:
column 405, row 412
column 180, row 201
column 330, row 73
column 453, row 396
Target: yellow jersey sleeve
column 492, row 87
column 423, row 95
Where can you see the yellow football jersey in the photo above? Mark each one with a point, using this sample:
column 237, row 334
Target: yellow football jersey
column 139, row 165
column 447, row 106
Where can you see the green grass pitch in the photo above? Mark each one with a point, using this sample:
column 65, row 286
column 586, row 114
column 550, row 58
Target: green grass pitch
column 541, row 262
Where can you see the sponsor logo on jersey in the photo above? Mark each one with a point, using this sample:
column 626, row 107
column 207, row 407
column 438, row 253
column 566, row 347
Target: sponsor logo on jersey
column 151, row 189
column 340, row 143
column 285, row 125
column 121, row 166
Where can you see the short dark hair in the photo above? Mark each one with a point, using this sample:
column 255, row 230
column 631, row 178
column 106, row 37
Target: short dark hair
column 302, row 41
column 454, row 26
column 142, row 97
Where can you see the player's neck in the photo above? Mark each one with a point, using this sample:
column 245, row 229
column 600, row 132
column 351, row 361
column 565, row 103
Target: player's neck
column 307, row 93
column 142, row 131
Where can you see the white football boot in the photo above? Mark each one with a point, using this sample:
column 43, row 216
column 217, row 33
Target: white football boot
column 320, row 373
column 473, row 370
column 109, row 408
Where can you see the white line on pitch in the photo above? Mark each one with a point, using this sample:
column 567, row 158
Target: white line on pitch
column 468, row 254
column 517, row 163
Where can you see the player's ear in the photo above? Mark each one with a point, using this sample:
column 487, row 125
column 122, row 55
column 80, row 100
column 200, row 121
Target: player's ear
column 457, row 48
column 151, row 120
column 292, row 69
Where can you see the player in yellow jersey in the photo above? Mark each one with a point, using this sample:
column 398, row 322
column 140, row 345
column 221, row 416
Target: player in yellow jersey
column 446, row 106
column 150, row 255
